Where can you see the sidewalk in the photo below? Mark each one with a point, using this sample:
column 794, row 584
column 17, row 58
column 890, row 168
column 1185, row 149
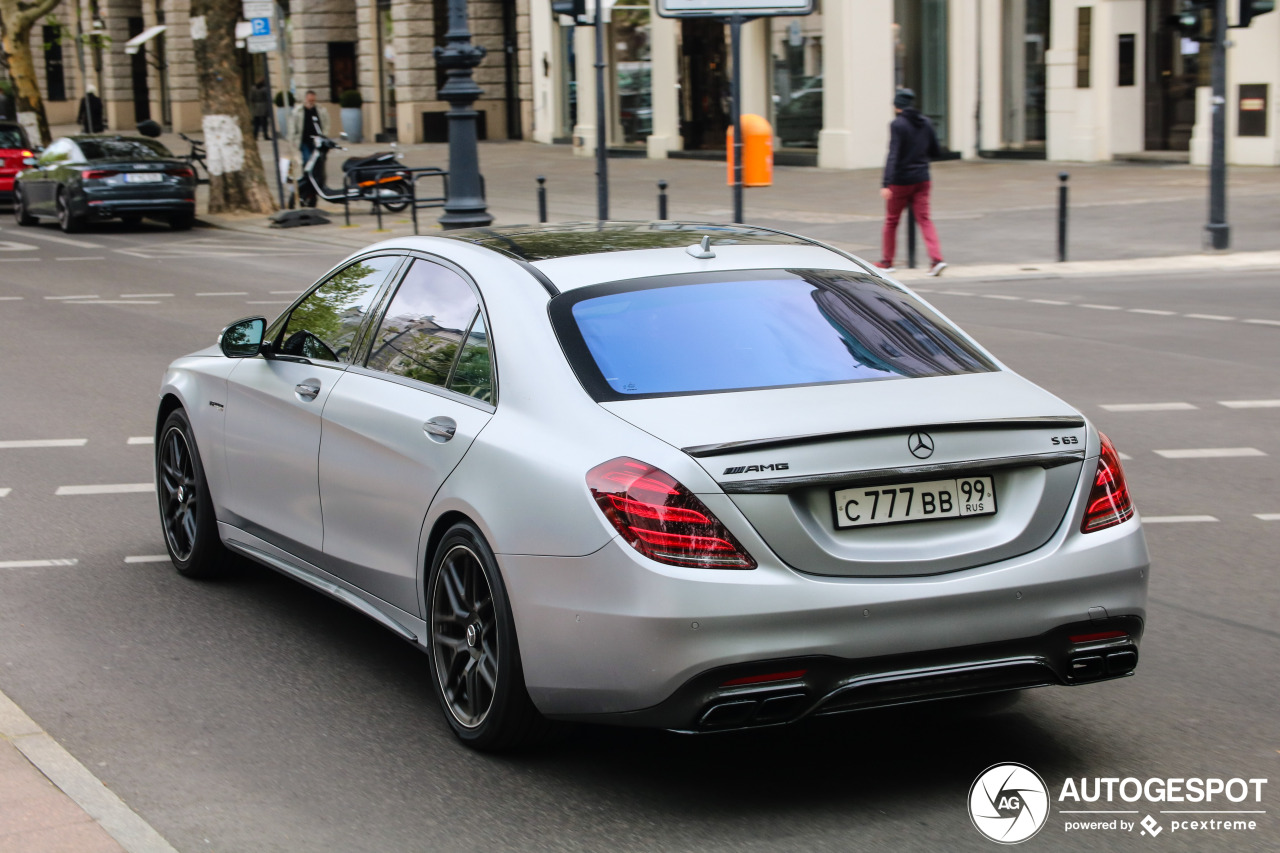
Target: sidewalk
column 993, row 213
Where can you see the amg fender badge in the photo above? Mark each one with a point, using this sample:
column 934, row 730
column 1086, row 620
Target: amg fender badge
column 214, row 405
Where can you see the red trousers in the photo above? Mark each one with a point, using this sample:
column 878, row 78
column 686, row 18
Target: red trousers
column 917, row 195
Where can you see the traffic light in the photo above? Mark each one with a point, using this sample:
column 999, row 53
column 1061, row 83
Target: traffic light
column 1192, row 18
column 578, row 8
column 1249, row 9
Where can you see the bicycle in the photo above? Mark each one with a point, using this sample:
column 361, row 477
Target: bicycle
column 196, row 155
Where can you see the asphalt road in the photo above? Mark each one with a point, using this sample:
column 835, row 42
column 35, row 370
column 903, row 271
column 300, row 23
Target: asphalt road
column 254, row 714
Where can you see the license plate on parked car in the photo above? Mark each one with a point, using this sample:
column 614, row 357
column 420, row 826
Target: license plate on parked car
column 891, row 504
column 143, row 177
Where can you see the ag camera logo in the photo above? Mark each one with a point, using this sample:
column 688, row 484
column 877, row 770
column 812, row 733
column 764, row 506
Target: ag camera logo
column 1009, row 803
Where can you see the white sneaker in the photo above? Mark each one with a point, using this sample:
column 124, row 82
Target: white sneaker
column 886, row 269
column 936, row 269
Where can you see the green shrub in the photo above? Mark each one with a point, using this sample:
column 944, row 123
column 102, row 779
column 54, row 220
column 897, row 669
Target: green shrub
column 350, row 99
column 280, row 99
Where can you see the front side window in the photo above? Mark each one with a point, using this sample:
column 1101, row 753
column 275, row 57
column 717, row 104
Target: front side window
column 323, row 327
column 713, row 332
column 433, row 332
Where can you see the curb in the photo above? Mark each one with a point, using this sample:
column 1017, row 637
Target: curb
column 75, row 780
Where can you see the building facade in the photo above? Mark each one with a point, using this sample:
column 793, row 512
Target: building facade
column 1085, row 80
column 383, row 49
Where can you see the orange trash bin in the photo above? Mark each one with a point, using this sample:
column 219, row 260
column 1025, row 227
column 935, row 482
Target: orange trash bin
column 757, row 154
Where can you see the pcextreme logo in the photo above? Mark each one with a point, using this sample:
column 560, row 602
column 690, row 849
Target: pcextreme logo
column 1009, row 803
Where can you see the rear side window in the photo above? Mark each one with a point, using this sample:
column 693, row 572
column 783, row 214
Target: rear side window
column 12, row 137
column 713, row 332
column 123, row 149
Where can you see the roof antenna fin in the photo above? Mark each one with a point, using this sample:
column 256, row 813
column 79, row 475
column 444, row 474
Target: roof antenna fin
column 702, row 251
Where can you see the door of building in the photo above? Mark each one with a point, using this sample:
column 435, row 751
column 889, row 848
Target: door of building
column 1026, row 40
column 704, row 84
column 1173, row 70
column 920, row 57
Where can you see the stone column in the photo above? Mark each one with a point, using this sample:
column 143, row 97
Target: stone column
column 367, row 65
column 485, row 17
column 857, row 98
column 991, row 92
column 413, row 39
column 116, row 89
column 584, row 51
column 756, row 86
column 962, row 74
column 545, row 72
column 665, row 70
column 313, row 24
column 184, row 98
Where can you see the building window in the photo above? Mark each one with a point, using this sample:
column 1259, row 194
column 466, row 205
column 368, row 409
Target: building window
column 1128, row 54
column 1084, row 45
column 55, row 79
column 342, row 68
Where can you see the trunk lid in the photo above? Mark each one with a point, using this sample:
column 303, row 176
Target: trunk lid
column 781, row 454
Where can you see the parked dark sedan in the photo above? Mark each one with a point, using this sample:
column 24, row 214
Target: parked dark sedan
column 79, row 179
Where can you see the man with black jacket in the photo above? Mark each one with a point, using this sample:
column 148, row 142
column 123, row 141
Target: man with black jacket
column 912, row 144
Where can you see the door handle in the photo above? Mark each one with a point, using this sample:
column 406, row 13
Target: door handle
column 308, row 390
column 440, row 429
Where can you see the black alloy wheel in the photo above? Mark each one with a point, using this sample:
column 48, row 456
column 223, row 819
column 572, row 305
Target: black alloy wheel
column 186, row 510
column 475, row 659
column 20, row 214
column 70, row 222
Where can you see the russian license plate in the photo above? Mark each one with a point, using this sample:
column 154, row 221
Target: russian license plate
column 892, row 504
column 143, row 177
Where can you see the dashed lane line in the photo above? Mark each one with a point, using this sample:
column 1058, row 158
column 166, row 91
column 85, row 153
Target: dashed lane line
column 1210, row 453
column 35, row 564
column 1221, row 317
column 1048, row 302
column 106, row 489
column 1003, row 296
column 1267, row 516
column 1147, row 407
column 1155, row 312
column 1250, row 404
column 148, row 558
column 43, row 442
column 65, row 241
column 64, row 298
column 10, row 298
column 1263, row 322
column 225, row 293
column 1097, row 307
column 1177, row 519
column 141, row 439
column 4, row 493
column 285, row 292
column 112, row 302
column 267, row 302
column 83, row 258
column 144, row 295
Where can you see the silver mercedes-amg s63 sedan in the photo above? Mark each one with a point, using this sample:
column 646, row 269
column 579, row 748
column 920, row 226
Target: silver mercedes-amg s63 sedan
column 696, row 477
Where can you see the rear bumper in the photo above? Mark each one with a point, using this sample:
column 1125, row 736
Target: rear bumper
column 107, row 208
column 618, row 638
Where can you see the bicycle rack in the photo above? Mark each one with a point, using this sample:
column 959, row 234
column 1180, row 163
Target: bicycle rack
column 351, row 180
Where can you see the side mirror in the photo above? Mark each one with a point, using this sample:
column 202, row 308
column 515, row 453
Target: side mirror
column 243, row 338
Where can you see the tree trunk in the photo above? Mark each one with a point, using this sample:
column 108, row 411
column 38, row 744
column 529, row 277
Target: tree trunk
column 18, row 18
column 237, row 181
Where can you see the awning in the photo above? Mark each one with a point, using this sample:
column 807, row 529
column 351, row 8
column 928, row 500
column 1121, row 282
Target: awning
column 134, row 44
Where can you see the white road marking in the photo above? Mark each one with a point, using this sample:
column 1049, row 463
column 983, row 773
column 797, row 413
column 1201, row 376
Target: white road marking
column 111, row 302
column 82, row 258
column 1147, row 407
column 143, row 295
column 141, row 439
column 1100, row 307
column 62, row 298
column 65, row 241
column 956, row 292
column 106, row 489
column 1267, row 516
column 266, row 302
column 43, row 442
column 226, row 293
column 1124, row 457
column 10, row 298
column 1210, row 453
column 1048, row 302
column 285, row 292
column 19, row 260
column 1208, row 316
column 150, row 558
column 4, row 493
column 1263, row 322
column 1176, row 519
column 35, row 564
column 1002, row 296
column 1153, row 311
column 1250, row 404
column 10, row 246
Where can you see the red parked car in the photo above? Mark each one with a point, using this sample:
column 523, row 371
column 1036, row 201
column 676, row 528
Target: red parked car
column 14, row 148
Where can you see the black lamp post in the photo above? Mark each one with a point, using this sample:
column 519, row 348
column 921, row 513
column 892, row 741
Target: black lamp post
column 464, row 205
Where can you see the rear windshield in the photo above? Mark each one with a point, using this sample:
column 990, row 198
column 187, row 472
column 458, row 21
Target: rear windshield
column 122, row 149
column 12, row 137
column 711, row 332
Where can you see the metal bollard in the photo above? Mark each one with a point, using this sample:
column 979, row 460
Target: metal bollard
column 662, row 199
column 911, row 238
column 542, row 198
column 1062, row 216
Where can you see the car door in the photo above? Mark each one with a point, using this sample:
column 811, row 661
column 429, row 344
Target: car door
column 38, row 189
column 396, row 427
column 274, row 404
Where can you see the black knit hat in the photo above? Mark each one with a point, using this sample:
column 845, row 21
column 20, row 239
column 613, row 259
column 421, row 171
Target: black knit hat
column 904, row 98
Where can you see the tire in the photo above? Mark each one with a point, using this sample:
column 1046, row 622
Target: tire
column 182, row 221
column 187, row 519
column 472, row 633
column 402, row 189
column 70, row 223
column 20, row 214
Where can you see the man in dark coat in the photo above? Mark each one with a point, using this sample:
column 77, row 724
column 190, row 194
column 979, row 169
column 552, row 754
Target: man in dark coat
column 260, row 107
column 912, row 144
column 90, row 116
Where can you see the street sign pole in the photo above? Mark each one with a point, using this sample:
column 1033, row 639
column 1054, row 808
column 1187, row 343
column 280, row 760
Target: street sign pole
column 602, row 152
column 265, row 38
column 735, row 38
column 1218, row 230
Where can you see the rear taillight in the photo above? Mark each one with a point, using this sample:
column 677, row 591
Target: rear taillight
column 28, row 154
column 181, row 172
column 662, row 519
column 90, row 174
column 1109, row 502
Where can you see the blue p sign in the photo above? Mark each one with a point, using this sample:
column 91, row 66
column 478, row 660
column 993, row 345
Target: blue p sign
column 261, row 26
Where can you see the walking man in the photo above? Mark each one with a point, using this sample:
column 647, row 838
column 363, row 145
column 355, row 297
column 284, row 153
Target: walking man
column 912, row 144
column 306, row 122
column 260, row 106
